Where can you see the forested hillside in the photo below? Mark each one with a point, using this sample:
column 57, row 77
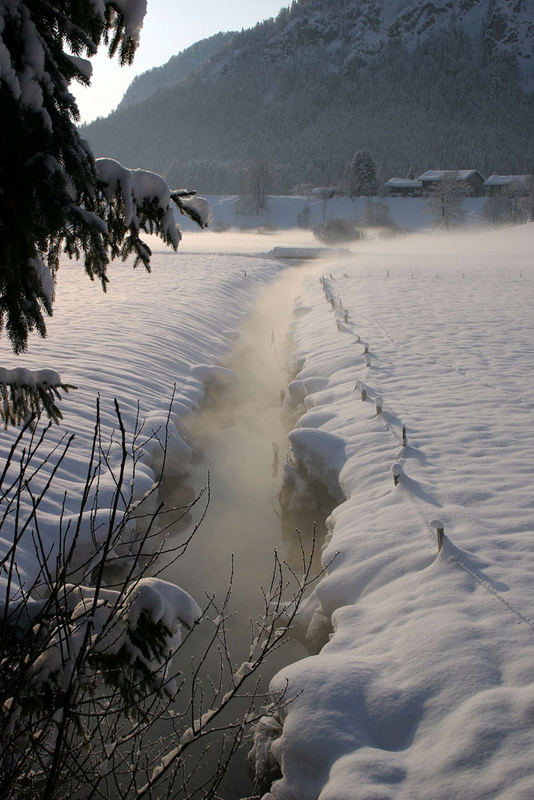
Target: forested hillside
column 177, row 69
column 419, row 85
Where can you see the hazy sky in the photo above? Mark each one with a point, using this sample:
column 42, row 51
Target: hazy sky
column 170, row 26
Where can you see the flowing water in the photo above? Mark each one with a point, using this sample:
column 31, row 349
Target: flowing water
column 240, row 437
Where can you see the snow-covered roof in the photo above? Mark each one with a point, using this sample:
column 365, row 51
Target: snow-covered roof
column 505, row 180
column 438, row 174
column 403, row 183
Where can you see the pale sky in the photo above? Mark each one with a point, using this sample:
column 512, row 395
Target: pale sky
column 170, row 26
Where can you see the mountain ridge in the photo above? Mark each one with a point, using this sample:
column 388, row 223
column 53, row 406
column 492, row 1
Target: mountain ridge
column 419, row 84
column 175, row 70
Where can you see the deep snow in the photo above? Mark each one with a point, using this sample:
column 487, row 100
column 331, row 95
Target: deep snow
column 426, row 687
column 147, row 333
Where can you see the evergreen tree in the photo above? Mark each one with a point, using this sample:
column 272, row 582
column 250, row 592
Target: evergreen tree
column 362, row 175
column 54, row 197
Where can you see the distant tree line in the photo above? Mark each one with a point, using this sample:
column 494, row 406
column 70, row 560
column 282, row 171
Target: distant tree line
column 448, row 102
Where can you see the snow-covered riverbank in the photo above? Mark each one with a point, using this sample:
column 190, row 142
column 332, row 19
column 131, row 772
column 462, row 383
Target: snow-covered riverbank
column 148, row 333
column 426, row 687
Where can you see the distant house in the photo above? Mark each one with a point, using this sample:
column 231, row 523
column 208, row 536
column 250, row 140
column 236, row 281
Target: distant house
column 471, row 179
column 402, row 187
column 518, row 184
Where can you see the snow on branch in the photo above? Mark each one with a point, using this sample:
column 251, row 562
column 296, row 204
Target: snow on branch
column 55, row 199
column 138, row 189
column 142, row 625
column 145, row 205
column 25, row 394
column 196, row 208
column 28, row 61
column 133, row 12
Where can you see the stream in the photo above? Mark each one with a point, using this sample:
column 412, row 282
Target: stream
column 240, row 439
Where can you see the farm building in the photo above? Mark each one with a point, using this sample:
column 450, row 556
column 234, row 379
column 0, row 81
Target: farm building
column 471, row 179
column 402, row 187
column 499, row 184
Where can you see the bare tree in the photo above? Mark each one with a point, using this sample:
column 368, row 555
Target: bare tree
column 324, row 193
column 445, row 199
column 256, row 181
column 496, row 209
column 376, row 214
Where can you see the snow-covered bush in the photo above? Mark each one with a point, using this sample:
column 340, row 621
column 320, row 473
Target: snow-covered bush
column 335, row 231
column 377, row 214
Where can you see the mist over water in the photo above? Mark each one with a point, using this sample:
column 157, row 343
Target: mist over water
column 432, row 241
column 240, row 439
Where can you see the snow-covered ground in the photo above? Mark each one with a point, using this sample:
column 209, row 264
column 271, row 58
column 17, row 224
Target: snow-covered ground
column 407, row 213
column 426, row 687
column 148, row 333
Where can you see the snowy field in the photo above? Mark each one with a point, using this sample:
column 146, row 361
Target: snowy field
column 148, row 333
column 425, row 689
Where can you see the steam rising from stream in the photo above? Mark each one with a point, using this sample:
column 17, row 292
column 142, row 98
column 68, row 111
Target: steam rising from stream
column 240, row 438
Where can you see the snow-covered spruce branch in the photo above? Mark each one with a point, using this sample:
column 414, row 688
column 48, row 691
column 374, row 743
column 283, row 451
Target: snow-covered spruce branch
column 106, row 224
column 47, row 170
column 25, row 394
column 54, row 197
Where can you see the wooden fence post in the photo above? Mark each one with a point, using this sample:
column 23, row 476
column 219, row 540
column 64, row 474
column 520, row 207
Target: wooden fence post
column 439, row 527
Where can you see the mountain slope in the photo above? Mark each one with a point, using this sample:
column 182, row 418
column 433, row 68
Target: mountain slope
column 177, row 69
column 358, row 30
column 419, row 84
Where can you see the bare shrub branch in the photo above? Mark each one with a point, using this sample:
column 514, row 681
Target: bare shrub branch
column 96, row 701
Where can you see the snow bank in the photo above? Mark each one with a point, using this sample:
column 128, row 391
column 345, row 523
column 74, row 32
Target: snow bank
column 426, row 687
column 322, row 453
column 148, row 333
